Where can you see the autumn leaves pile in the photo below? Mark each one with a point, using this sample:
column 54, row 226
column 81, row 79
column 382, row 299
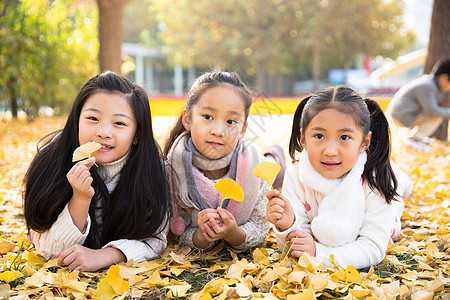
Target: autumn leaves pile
column 416, row 266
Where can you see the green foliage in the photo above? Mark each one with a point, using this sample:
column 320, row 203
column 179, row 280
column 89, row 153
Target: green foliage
column 48, row 50
column 280, row 36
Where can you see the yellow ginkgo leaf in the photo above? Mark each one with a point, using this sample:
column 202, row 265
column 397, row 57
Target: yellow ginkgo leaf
column 229, row 189
column 116, row 281
column 104, row 290
column 9, row 276
column 352, row 275
column 267, row 171
column 85, row 151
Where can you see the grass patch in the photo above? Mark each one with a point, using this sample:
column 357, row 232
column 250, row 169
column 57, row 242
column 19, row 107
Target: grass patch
column 408, row 259
column 197, row 280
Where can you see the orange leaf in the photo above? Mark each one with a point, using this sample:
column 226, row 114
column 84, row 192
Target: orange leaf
column 229, row 189
column 267, row 171
column 85, row 151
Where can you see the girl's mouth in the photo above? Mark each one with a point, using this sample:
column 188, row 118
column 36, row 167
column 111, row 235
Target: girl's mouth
column 215, row 144
column 330, row 165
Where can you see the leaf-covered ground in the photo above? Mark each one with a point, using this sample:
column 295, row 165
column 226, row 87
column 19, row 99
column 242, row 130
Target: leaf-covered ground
column 417, row 266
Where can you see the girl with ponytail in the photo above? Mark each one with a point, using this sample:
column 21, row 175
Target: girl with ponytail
column 342, row 194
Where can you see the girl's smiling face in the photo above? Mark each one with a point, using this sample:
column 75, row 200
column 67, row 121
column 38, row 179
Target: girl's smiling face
column 216, row 122
column 108, row 119
column 333, row 142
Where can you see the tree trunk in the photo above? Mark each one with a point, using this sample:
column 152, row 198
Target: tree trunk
column 13, row 97
column 111, row 34
column 438, row 48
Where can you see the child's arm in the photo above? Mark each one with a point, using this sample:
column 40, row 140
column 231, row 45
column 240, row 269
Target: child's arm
column 81, row 258
column 256, row 227
column 370, row 246
column 80, row 179
column 61, row 235
column 89, row 260
column 73, row 223
column 147, row 249
column 293, row 195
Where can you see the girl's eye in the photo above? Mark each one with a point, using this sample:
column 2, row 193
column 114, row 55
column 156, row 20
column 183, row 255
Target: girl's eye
column 92, row 118
column 231, row 122
column 319, row 136
column 120, row 123
column 207, row 117
column 345, row 137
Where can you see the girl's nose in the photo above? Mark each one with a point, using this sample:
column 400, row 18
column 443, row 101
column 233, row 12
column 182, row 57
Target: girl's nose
column 104, row 132
column 331, row 149
column 217, row 130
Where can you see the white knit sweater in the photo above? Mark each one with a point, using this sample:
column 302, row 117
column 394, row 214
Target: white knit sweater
column 64, row 234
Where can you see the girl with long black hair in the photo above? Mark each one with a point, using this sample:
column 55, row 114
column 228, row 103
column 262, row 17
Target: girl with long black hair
column 109, row 208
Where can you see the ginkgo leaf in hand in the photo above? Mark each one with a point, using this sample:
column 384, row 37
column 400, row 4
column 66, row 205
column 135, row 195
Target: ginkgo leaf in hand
column 85, row 151
column 267, row 171
column 229, row 189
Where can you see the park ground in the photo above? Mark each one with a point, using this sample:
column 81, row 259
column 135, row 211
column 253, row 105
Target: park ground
column 417, row 265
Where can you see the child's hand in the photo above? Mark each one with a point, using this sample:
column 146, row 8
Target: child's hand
column 228, row 231
column 279, row 210
column 85, row 259
column 80, row 179
column 201, row 238
column 206, row 215
column 301, row 242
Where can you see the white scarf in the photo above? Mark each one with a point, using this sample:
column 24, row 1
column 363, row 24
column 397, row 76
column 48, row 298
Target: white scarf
column 341, row 212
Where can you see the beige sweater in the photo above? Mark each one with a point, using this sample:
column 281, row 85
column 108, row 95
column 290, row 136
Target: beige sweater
column 64, row 234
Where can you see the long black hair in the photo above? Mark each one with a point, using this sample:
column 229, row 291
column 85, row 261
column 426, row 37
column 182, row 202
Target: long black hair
column 201, row 85
column 138, row 206
column 368, row 116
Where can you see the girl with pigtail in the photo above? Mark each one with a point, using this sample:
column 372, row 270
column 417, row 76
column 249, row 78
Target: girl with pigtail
column 342, row 195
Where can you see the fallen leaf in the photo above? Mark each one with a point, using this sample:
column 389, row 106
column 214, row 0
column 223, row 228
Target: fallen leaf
column 116, row 281
column 9, row 276
column 104, row 290
column 85, row 151
column 178, row 290
column 352, row 275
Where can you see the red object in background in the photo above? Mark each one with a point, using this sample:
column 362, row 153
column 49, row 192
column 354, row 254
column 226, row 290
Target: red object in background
column 367, row 64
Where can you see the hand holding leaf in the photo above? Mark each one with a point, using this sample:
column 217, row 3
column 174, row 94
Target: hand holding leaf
column 267, row 171
column 229, row 189
column 85, row 151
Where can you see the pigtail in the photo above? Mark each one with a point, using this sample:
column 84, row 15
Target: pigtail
column 177, row 129
column 378, row 170
column 294, row 143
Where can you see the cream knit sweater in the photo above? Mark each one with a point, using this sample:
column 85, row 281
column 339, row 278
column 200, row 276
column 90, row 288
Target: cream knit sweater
column 64, row 234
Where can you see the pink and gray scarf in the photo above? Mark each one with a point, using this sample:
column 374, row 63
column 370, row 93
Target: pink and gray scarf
column 192, row 191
